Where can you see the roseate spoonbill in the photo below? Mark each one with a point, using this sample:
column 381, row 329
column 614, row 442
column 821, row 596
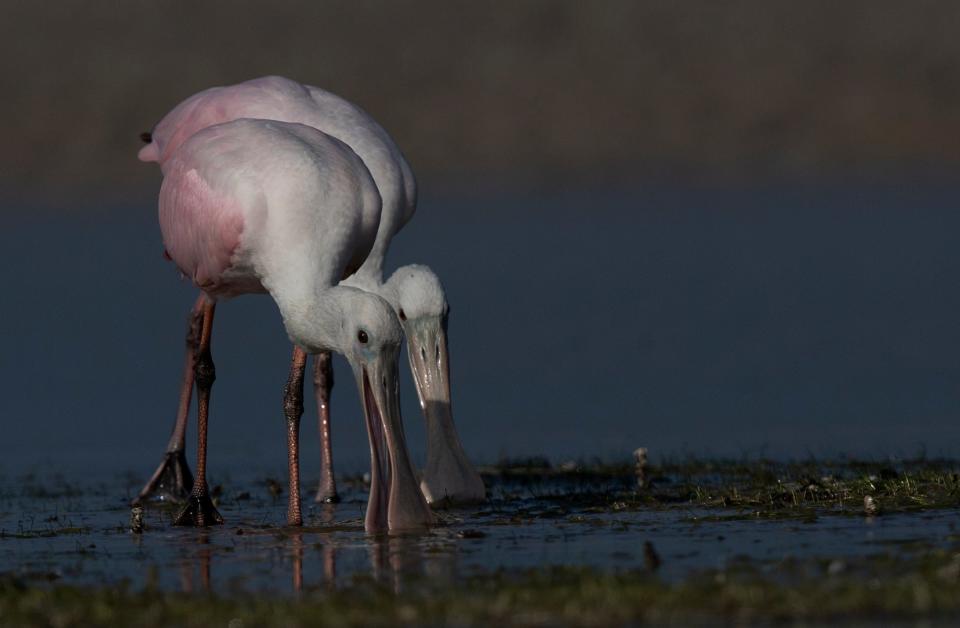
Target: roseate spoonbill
column 414, row 291
column 265, row 206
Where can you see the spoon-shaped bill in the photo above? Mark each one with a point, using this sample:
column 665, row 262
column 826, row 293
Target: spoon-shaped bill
column 396, row 503
column 448, row 475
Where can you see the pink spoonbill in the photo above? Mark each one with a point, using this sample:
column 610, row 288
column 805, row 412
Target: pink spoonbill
column 414, row 291
column 254, row 206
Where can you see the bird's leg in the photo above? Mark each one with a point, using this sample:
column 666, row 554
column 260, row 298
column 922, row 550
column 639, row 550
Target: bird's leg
column 293, row 410
column 322, row 385
column 172, row 481
column 199, row 510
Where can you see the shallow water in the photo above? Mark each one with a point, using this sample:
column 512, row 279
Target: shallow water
column 78, row 533
column 777, row 321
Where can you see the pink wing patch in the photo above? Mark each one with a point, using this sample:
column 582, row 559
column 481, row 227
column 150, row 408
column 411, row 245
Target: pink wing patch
column 201, row 229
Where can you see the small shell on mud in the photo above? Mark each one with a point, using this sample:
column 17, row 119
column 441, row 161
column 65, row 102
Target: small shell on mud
column 136, row 520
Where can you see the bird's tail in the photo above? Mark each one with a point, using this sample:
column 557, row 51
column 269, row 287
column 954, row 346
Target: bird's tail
column 150, row 152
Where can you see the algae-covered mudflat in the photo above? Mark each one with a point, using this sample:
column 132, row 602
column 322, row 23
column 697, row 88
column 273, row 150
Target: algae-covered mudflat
column 578, row 543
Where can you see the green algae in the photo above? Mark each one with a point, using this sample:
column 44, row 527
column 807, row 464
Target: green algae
column 885, row 587
column 763, row 489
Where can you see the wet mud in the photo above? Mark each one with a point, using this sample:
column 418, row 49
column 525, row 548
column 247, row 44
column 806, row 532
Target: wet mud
column 699, row 529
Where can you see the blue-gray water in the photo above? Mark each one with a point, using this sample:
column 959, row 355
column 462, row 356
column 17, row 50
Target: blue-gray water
column 776, row 321
column 77, row 532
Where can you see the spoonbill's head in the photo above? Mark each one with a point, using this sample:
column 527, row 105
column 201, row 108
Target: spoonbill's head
column 363, row 328
column 421, row 306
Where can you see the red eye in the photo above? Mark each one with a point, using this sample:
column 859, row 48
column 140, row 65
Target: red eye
column 362, row 337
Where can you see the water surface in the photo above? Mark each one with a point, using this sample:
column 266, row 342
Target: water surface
column 779, row 321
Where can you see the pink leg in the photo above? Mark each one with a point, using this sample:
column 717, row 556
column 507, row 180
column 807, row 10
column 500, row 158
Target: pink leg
column 293, row 410
column 199, row 510
column 172, row 481
column 322, row 385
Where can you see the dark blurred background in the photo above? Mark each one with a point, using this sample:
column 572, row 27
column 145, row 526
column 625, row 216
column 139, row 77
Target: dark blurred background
column 699, row 227
column 490, row 93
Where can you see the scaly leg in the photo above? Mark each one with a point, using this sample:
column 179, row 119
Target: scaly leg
column 322, row 385
column 293, row 410
column 199, row 510
column 172, row 481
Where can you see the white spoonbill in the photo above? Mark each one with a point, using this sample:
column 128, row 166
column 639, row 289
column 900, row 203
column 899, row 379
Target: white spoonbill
column 264, row 206
column 414, row 291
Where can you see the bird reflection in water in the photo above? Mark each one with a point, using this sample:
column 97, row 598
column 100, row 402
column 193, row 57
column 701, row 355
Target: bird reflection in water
column 391, row 559
column 318, row 558
column 296, row 544
column 198, row 563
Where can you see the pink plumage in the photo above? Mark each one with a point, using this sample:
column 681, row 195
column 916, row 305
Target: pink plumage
column 272, row 98
column 201, row 228
column 279, row 98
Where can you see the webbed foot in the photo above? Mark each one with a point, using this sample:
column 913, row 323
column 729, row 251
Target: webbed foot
column 170, row 483
column 199, row 512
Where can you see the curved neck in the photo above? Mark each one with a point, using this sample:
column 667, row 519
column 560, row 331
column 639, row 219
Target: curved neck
column 303, row 285
column 370, row 279
column 313, row 319
column 371, row 271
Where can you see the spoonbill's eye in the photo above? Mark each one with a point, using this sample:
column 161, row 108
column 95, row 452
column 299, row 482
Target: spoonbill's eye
column 146, row 137
column 403, row 316
column 362, row 337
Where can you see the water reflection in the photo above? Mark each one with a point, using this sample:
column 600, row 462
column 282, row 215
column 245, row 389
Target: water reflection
column 523, row 526
column 329, row 554
column 325, row 556
column 312, row 558
column 737, row 315
column 398, row 560
column 204, row 558
column 296, row 541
